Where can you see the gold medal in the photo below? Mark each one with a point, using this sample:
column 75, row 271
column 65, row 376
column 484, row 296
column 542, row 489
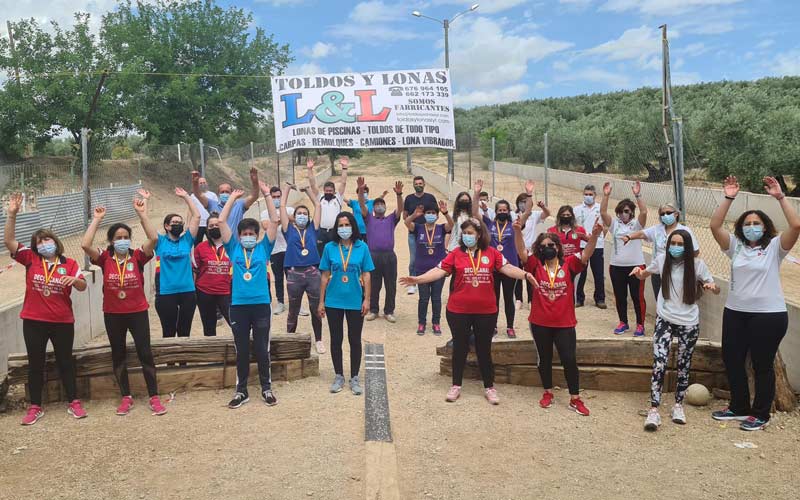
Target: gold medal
column 121, row 274
column 476, row 264
column 551, row 277
column 122, row 295
column 345, row 262
column 499, row 248
column 46, row 292
column 345, row 279
column 47, row 277
column 247, row 259
column 247, row 276
column 475, row 283
column 552, row 296
column 430, row 251
column 429, row 236
column 500, row 233
column 304, row 252
column 302, row 234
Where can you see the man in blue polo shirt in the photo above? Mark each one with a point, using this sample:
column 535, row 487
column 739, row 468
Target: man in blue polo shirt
column 238, row 208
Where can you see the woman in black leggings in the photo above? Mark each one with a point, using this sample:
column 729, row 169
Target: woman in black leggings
column 755, row 319
column 213, row 278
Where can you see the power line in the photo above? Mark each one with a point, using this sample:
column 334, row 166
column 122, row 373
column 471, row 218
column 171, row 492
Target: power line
column 140, row 73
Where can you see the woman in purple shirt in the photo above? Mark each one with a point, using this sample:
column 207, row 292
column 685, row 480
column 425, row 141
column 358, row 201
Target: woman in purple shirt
column 502, row 234
column 429, row 251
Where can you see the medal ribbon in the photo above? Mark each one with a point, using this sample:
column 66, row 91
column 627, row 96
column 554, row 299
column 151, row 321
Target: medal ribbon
column 247, row 258
column 221, row 254
column 48, row 276
column 302, row 236
column 429, row 236
column 121, row 271
column 475, row 264
column 345, row 263
column 552, row 277
column 500, row 232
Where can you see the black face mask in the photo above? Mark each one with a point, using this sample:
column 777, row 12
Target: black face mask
column 566, row 221
column 214, row 233
column 502, row 217
column 328, row 196
column 549, row 253
column 176, row 229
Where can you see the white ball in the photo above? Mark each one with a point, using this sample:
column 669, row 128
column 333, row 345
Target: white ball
column 698, row 395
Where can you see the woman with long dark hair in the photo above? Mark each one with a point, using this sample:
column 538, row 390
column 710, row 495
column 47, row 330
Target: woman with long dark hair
column 462, row 210
column 755, row 319
column 213, row 280
column 46, row 310
column 684, row 277
column 569, row 232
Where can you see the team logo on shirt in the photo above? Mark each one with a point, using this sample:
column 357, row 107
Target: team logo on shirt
column 574, row 236
column 560, row 273
column 484, row 260
column 130, row 266
column 62, row 271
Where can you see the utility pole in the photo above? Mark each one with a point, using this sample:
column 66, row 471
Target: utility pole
column 674, row 150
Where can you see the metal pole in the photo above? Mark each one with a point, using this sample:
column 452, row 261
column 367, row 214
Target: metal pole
column 252, row 155
column 294, row 181
column 494, row 168
column 470, row 161
column 546, row 166
column 202, row 159
column 179, row 152
column 87, row 198
column 450, row 162
column 680, row 197
column 408, row 160
column 278, row 163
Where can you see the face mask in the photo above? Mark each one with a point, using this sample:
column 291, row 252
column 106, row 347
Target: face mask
column 676, row 251
column 379, row 209
column 276, row 202
column 328, row 196
column 224, row 197
column 464, row 205
column 176, row 229
column 565, row 221
column 366, row 196
column 625, row 217
column 668, row 219
column 753, row 233
column 522, row 206
column 301, row 220
column 122, row 246
column 549, row 253
column 502, row 217
column 470, row 240
column 46, row 250
column 588, row 199
column 430, row 218
column 214, row 233
column 419, row 189
column 203, row 188
column 345, row 232
column 248, row 242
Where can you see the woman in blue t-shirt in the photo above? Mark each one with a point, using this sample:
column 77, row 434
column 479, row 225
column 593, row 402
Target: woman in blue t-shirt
column 175, row 301
column 250, row 298
column 344, row 293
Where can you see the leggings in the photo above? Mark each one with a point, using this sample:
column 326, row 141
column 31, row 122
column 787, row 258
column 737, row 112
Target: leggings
column 301, row 280
column 430, row 292
column 758, row 334
column 253, row 318
column 117, row 326
column 662, row 338
column 462, row 326
column 208, row 305
column 518, row 288
column 564, row 339
column 276, row 262
column 61, row 335
column 355, row 323
column 507, row 283
column 623, row 283
column 176, row 312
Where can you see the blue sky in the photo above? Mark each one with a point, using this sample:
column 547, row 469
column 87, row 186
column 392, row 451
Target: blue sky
column 516, row 49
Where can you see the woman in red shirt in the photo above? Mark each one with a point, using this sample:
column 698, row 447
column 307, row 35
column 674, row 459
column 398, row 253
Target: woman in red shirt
column 552, row 319
column 124, row 302
column 471, row 307
column 213, row 280
column 569, row 233
column 47, row 309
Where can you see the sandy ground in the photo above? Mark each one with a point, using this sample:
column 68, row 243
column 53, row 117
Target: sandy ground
column 311, row 444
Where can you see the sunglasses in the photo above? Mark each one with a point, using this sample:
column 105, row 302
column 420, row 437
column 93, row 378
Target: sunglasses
column 666, row 213
column 549, row 245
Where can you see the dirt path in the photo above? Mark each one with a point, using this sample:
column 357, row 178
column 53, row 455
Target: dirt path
column 311, row 444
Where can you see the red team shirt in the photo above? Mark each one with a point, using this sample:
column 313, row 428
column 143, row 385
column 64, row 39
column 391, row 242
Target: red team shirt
column 133, row 283
column 571, row 240
column 213, row 269
column 466, row 299
column 57, row 307
column 556, row 310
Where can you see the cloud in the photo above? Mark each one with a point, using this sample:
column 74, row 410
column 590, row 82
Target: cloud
column 282, row 3
column 663, row 7
column 60, row 11
column 577, row 4
column 684, row 78
column 707, row 27
column 610, row 79
column 319, row 50
column 693, row 49
column 307, row 68
column 787, row 63
column 488, row 7
column 511, row 93
column 765, row 44
column 371, row 22
column 641, row 44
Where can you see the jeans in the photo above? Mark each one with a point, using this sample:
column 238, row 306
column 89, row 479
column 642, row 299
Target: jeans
column 596, row 264
column 117, row 326
column 301, row 280
column 278, row 273
column 62, row 336
column 462, row 326
column 355, row 324
column 244, row 319
column 208, row 305
column 176, row 312
column 385, row 271
column 412, row 254
column 430, row 292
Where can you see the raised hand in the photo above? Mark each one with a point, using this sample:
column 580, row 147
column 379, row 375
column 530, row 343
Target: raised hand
column 360, row 184
column 344, row 161
column 237, row 193
column 291, row 186
column 385, row 192
column 100, row 212
column 398, row 187
column 443, row 206
column 607, row 188
column 541, row 204
column 637, row 188
column 773, row 188
column 597, row 229
column 310, row 164
column 264, row 187
column 529, row 186
column 181, row 193
column 517, row 225
column 138, row 204
column 478, row 185
column 145, row 194
column 253, row 174
column 419, row 211
column 731, row 186
column 14, row 203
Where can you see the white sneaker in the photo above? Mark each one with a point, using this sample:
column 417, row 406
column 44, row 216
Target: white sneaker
column 371, row 316
column 678, row 415
column 518, row 305
column 278, row 308
column 320, row 347
column 653, row 420
column 304, row 311
column 411, row 290
column 390, row 318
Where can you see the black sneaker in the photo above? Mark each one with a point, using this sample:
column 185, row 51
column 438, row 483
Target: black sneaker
column 238, row 400
column 269, row 398
column 579, row 304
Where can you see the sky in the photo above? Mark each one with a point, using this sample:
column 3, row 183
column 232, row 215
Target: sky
column 509, row 50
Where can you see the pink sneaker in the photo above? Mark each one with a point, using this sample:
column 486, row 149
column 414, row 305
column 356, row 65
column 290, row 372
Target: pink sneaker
column 491, row 396
column 156, row 406
column 125, row 406
column 511, row 333
column 33, row 415
column 453, row 394
column 76, row 410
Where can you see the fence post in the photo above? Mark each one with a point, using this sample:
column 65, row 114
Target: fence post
column 546, row 166
column 494, row 167
column 179, row 153
column 87, row 197
column 202, row 159
column 408, row 160
column 680, row 198
column 252, row 155
column 294, row 181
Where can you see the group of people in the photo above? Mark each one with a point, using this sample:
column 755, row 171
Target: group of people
column 219, row 261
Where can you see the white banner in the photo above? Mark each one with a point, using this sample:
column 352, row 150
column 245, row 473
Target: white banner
column 380, row 109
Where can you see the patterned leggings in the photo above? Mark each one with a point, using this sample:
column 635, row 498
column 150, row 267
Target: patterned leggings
column 687, row 338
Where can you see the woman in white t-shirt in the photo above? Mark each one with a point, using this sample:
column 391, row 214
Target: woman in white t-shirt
column 755, row 319
column 626, row 257
column 677, row 315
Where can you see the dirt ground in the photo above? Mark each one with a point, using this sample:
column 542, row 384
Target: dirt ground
column 311, row 444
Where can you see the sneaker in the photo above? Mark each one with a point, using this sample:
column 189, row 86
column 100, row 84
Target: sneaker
column 338, row 384
column 355, row 386
column 371, row 316
column 494, row 335
column 580, row 408
column 453, row 394
column 678, row 415
column 753, row 424
column 511, row 333
column 621, row 328
column 449, row 344
column 653, row 420
column 547, row 400
column 269, row 398
column 278, row 308
column 518, row 304
column 726, row 414
column 601, row 305
column 320, row 347
column 437, row 330
column 76, row 409
column 34, row 413
column 304, row 311
column 639, row 331
column 491, row 396
column 421, row 330
column 411, row 290
column 238, row 400
column 156, row 407
column 390, row 318
column 125, row 406
column 578, row 304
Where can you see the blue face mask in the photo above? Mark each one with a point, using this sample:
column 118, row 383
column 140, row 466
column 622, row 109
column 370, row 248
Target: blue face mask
column 248, row 242
column 668, row 219
column 46, row 250
column 676, row 251
column 223, row 197
column 301, row 220
column 276, row 202
column 122, row 246
column 753, row 233
column 430, row 218
column 588, row 199
column 470, row 240
column 345, row 232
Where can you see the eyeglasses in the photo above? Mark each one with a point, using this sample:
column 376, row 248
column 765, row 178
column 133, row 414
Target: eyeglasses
column 666, row 213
